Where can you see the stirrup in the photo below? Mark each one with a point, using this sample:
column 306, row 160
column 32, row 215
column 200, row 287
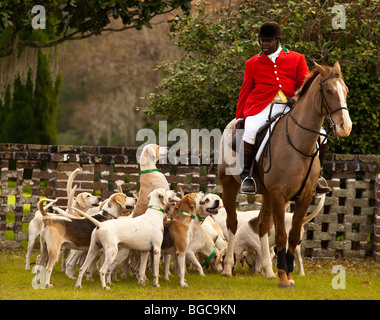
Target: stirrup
column 254, row 183
column 322, row 189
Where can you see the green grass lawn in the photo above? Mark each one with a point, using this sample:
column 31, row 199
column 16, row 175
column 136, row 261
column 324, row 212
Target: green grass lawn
column 362, row 282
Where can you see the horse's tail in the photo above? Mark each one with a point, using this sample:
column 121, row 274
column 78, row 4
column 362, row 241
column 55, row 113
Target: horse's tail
column 316, row 210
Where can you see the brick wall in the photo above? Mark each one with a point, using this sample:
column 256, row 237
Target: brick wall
column 349, row 225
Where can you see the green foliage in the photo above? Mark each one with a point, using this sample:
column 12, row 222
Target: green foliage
column 82, row 18
column 202, row 87
column 31, row 117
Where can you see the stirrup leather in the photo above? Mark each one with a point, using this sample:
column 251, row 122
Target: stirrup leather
column 254, row 183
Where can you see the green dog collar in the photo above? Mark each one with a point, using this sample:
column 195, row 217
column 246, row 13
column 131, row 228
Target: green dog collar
column 148, row 171
column 187, row 214
column 156, row 208
column 209, row 257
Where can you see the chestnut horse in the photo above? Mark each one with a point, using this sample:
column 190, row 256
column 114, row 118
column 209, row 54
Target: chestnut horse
column 293, row 171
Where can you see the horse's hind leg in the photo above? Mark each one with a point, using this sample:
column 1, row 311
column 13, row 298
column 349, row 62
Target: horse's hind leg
column 230, row 191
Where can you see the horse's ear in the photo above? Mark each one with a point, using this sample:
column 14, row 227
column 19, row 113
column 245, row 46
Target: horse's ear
column 322, row 70
column 337, row 66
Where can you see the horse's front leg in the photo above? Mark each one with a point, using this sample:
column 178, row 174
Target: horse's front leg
column 278, row 211
column 230, row 190
column 264, row 227
column 300, row 209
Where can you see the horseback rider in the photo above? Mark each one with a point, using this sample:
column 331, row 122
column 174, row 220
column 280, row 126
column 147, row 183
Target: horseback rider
column 270, row 81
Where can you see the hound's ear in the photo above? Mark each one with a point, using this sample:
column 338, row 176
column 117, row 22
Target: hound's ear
column 135, row 196
column 152, row 154
column 80, row 201
column 145, row 153
column 337, row 66
column 161, row 195
column 120, row 199
column 148, row 155
column 193, row 203
column 157, row 151
column 218, row 257
column 322, row 70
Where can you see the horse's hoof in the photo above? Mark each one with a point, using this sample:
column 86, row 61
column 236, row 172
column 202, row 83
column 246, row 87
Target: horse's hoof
column 284, row 285
column 284, row 282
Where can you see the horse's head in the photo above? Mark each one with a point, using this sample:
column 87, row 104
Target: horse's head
column 334, row 92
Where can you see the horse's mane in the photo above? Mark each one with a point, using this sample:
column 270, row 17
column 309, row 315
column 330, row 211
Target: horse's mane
column 309, row 80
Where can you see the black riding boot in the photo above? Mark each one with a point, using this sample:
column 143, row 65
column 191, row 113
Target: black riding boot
column 322, row 186
column 248, row 184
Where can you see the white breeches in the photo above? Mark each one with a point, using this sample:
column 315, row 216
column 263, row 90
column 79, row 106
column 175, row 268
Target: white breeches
column 254, row 123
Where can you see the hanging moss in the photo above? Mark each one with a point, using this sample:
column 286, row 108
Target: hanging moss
column 31, row 117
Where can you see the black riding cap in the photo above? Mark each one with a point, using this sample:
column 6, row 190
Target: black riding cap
column 270, row 30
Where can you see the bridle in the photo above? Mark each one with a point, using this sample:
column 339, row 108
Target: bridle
column 325, row 105
column 329, row 111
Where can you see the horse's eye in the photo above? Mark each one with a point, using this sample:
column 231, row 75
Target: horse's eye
column 329, row 91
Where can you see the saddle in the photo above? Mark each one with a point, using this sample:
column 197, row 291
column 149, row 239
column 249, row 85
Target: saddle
column 261, row 133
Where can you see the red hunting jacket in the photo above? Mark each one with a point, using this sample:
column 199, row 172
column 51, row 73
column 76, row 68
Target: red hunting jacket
column 263, row 79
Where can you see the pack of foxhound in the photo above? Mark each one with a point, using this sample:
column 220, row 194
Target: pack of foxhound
column 125, row 235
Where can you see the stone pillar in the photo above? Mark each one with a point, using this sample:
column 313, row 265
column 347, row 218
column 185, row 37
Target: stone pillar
column 376, row 223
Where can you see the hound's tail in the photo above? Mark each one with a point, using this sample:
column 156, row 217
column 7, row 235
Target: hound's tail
column 94, row 221
column 51, row 202
column 49, row 216
column 316, row 210
column 182, row 193
column 70, row 181
column 66, row 214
